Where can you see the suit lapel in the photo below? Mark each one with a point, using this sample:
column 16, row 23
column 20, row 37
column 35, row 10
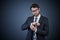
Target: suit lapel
column 32, row 18
column 40, row 21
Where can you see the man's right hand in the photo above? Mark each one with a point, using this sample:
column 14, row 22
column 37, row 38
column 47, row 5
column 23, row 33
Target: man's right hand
column 32, row 27
column 34, row 24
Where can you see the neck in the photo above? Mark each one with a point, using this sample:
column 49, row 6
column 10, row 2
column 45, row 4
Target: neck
column 36, row 15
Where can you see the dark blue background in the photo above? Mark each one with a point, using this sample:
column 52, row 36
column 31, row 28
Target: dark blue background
column 15, row 13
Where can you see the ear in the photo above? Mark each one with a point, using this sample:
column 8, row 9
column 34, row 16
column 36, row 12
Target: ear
column 39, row 9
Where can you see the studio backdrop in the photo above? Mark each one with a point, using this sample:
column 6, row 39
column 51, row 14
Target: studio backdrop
column 15, row 13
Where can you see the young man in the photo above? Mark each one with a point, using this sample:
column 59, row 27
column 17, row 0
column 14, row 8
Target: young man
column 37, row 25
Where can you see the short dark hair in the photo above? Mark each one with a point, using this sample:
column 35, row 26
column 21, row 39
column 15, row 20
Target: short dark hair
column 34, row 6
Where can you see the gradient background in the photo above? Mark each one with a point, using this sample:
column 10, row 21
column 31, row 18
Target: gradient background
column 14, row 14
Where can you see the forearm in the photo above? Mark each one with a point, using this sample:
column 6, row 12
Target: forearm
column 25, row 26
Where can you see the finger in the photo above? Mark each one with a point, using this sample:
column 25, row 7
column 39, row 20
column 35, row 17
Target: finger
column 38, row 24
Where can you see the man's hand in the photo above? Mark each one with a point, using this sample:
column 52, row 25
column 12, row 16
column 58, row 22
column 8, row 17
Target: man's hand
column 32, row 27
column 36, row 24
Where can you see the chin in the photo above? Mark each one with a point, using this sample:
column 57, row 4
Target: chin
column 35, row 15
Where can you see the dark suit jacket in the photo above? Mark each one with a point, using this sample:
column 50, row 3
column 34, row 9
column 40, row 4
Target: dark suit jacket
column 42, row 30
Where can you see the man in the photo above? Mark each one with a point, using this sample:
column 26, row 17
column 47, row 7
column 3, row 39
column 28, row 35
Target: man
column 37, row 25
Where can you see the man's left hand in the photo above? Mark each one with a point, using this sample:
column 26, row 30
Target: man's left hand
column 38, row 24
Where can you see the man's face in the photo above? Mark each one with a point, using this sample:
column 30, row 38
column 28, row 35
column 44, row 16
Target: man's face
column 35, row 11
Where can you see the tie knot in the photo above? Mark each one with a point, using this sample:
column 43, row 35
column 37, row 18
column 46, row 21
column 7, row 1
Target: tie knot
column 35, row 19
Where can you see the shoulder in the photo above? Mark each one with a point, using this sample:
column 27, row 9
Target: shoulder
column 30, row 17
column 44, row 18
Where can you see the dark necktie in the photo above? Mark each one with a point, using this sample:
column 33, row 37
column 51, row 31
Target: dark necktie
column 34, row 36
column 35, row 19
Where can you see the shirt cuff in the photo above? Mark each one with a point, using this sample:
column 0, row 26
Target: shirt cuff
column 31, row 23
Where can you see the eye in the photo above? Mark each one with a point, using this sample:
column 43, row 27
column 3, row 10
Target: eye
column 34, row 10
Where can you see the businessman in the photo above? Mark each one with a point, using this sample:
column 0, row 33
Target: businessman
column 37, row 25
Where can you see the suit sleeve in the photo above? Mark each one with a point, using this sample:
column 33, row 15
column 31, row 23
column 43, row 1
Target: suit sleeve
column 25, row 25
column 44, row 30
